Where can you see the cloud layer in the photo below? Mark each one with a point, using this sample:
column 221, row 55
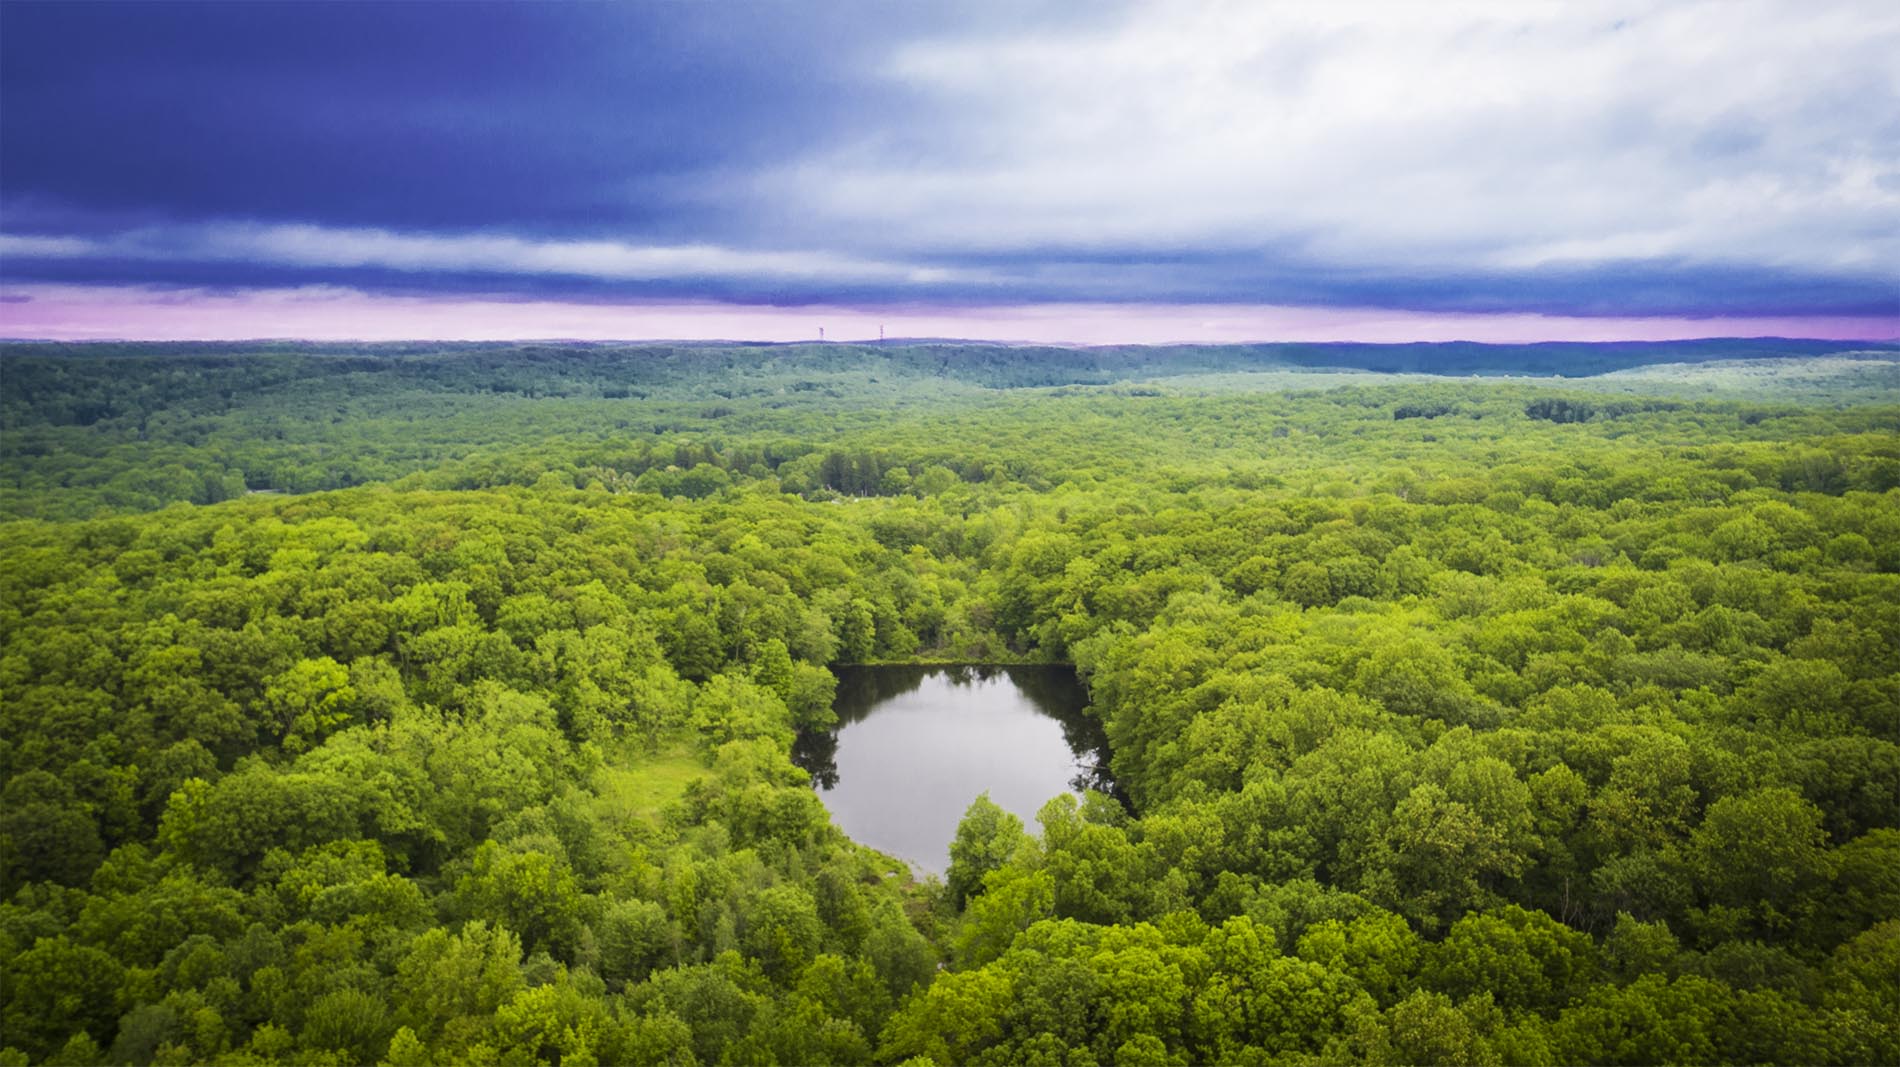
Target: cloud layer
column 326, row 248
column 1422, row 136
column 1734, row 159
column 85, row 313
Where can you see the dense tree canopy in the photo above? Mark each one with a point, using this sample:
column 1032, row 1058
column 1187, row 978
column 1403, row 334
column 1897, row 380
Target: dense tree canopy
column 1465, row 722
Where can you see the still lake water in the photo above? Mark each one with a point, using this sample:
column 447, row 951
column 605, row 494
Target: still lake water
column 915, row 745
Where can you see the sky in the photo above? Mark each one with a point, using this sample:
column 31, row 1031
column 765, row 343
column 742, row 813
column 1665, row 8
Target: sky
column 1087, row 173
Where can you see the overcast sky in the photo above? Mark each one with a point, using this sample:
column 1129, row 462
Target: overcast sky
column 1087, row 172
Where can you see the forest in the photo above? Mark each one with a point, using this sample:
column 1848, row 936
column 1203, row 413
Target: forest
column 433, row 705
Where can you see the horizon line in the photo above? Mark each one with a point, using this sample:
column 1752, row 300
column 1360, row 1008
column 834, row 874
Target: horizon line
column 874, row 342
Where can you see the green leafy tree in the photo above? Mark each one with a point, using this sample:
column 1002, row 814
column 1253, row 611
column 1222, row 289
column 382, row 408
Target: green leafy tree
column 1762, row 859
column 987, row 838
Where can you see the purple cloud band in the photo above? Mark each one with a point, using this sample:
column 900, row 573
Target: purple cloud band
column 79, row 313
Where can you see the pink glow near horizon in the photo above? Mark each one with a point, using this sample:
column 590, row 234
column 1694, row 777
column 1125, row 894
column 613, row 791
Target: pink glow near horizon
column 82, row 313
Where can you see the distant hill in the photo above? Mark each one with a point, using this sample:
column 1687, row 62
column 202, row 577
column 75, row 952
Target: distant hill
column 983, row 364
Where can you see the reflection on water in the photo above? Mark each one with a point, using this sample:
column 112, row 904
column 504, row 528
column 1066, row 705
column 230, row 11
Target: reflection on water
column 915, row 745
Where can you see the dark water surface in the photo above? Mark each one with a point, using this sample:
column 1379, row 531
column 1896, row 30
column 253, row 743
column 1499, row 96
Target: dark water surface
column 915, row 745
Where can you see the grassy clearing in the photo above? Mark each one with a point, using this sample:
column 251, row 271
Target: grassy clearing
column 639, row 785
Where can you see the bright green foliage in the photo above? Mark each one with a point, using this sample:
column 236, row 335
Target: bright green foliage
column 1378, row 950
column 1429, row 1028
column 1761, row 857
column 310, row 701
column 781, row 930
column 1523, row 959
column 987, row 838
column 1458, row 721
column 1012, row 901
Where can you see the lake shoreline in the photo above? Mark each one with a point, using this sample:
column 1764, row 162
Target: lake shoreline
column 917, row 743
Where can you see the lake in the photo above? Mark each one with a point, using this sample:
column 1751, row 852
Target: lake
column 915, row 745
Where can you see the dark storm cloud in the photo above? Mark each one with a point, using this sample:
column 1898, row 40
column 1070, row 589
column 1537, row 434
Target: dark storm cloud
column 596, row 271
column 538, row 118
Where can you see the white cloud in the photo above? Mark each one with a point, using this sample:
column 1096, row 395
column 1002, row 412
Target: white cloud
column 1477, row 136
column 331, row 247
column 43, row 247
